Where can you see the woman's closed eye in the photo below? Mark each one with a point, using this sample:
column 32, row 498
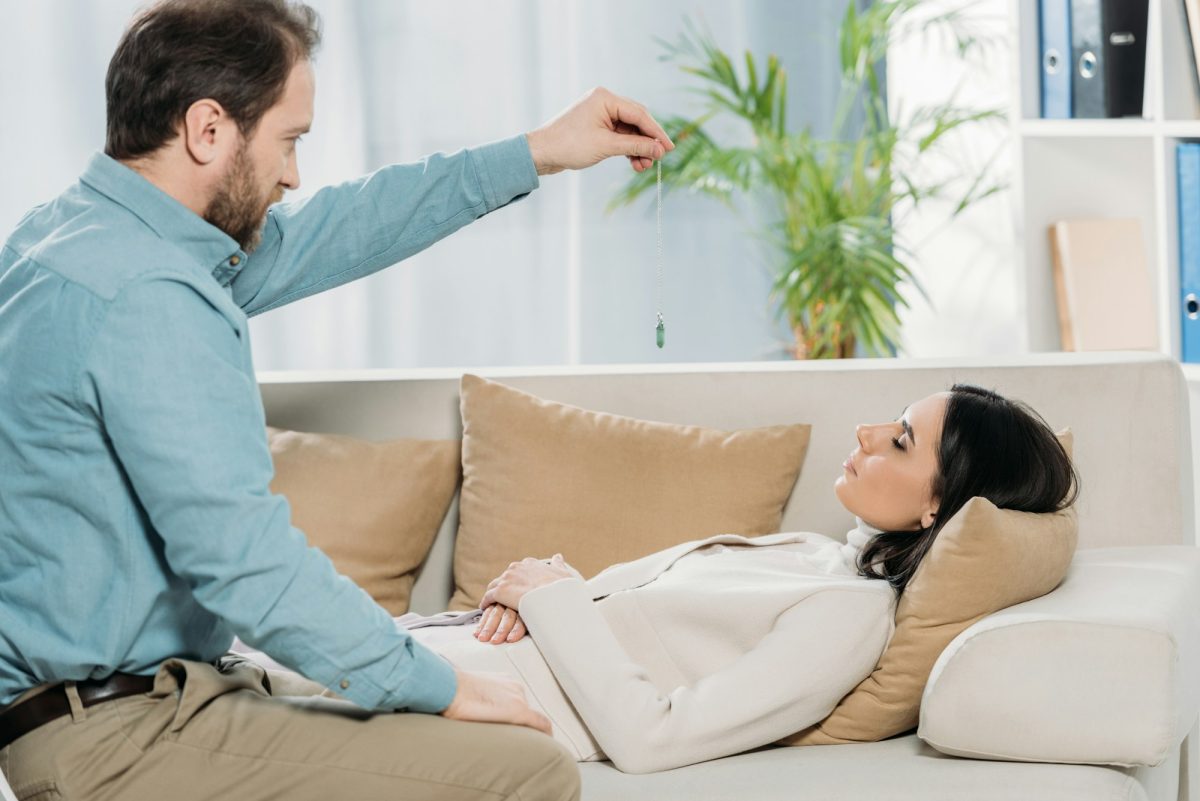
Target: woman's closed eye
column 896, row 442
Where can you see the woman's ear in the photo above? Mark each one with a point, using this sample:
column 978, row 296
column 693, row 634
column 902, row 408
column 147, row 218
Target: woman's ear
column 928, row 519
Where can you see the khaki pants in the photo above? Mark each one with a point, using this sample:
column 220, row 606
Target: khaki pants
column 208, row 732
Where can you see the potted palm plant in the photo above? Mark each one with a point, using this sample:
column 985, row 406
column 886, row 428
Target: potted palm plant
column 832, row 201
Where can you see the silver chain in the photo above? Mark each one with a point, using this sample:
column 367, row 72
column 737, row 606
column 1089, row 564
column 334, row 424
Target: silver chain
column 659, row 242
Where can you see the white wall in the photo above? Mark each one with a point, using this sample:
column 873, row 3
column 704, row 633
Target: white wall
column 969, row 267
column 585, row 279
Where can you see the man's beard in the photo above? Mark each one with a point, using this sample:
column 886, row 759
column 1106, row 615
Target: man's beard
column 237, row 208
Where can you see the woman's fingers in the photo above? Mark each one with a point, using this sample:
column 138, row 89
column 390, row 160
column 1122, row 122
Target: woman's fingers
column 488, row 623
column 500, row 624
column 504, row 626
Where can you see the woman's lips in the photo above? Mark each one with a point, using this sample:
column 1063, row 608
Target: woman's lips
column 848, row 466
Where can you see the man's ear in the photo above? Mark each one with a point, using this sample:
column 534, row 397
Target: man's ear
column 206, row 127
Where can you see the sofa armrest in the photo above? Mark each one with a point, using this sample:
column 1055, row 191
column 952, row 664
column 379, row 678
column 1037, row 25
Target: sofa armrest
column 1103, row 670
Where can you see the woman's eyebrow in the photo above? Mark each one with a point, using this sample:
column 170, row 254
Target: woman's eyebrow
column 908, row 430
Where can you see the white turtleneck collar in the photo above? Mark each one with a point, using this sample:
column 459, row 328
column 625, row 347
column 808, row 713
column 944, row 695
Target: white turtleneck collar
column 856, row 540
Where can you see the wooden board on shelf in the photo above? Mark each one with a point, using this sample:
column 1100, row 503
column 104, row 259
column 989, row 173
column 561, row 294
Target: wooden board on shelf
column 1102, row 284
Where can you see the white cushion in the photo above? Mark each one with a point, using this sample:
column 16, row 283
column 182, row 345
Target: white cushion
column 1103, row 670
column 899, row 769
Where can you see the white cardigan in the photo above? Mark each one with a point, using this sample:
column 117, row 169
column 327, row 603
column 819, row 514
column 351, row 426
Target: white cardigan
column 668, row 660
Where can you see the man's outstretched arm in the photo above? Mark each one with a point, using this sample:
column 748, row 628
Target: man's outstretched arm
column 354, row 229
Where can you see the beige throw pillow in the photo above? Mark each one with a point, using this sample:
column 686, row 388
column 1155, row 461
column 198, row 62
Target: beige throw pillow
column 984, row 560
column 374, row 508
column 542, row 477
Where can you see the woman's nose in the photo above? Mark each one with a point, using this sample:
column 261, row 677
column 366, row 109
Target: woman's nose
column 868, row 435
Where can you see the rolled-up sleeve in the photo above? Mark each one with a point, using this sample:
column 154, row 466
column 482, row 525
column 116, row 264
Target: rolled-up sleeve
column 171, row 381
column 354, row 229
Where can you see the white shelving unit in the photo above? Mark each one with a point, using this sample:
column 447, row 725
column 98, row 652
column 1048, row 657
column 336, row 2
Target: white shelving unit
column 1102, row 168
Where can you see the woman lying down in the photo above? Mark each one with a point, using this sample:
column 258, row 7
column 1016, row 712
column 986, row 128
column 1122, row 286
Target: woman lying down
column 721, row 645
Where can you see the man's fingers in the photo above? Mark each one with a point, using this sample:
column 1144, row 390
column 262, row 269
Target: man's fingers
column 631, row 113
column 640, row 146
column 535, row 720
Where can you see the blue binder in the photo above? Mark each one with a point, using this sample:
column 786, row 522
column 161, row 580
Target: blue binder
column 1054, row 17
column 1187, row 161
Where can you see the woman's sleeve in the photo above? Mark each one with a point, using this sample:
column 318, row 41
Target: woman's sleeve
column 816, row 652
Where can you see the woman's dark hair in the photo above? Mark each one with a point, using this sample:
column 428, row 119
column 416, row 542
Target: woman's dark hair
column 992, row 448
column 237, row 52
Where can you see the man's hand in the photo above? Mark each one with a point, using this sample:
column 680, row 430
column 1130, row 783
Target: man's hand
column 524, row 576
column 601, row 124
column 492, row 698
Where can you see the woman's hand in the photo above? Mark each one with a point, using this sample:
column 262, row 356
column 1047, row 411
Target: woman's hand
column 500, row 624
column 525, row 576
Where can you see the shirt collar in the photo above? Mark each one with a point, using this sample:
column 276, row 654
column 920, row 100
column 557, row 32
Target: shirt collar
column 208, row 245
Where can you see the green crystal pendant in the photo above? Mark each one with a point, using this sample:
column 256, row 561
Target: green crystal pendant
column 660, row 332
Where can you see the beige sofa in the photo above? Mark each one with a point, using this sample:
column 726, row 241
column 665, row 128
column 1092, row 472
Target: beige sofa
column 1130, row 417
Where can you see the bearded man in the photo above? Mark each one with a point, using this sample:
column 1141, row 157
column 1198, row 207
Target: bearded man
column 139, row 530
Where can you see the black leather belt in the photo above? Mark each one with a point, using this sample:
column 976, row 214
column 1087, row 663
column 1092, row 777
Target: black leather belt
column 18, row 720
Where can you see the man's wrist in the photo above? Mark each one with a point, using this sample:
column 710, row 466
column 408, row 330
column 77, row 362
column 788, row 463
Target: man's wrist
column 537, row 150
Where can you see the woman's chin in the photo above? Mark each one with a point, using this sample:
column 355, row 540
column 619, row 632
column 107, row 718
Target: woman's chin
column 840, row 490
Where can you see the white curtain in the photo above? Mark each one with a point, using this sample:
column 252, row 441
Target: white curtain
column 549, row 280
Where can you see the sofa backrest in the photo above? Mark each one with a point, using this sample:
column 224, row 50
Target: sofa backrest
column 1128, row 411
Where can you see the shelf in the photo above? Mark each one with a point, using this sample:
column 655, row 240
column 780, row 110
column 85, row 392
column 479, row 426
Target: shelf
column 1182, row 129
column 1091, row 128
column 1103, row 168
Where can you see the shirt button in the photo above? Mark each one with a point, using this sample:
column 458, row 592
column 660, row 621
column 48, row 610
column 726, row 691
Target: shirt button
column 344, row 684
column 235, row 260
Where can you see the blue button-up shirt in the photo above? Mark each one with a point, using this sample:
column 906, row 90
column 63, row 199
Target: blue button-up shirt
column 135, row 516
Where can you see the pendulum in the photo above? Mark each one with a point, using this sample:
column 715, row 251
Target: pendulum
column 660, row 331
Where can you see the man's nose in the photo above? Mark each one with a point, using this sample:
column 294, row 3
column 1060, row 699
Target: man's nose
column 291, row 176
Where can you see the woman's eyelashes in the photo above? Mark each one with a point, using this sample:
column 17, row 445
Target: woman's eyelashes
column 896, row 443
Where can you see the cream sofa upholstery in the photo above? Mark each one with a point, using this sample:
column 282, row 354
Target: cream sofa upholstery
column 1130, row 417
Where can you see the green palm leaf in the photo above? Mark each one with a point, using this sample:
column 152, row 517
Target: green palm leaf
column 840, row 266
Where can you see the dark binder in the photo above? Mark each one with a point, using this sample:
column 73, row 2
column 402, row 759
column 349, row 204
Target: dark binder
column 1054, row 18
column 1108, row 50
column 1191, row 10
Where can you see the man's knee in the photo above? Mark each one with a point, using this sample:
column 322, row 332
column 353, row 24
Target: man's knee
column 551, row 772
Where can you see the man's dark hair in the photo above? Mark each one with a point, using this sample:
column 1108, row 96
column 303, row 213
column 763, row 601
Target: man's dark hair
column 237, row 52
